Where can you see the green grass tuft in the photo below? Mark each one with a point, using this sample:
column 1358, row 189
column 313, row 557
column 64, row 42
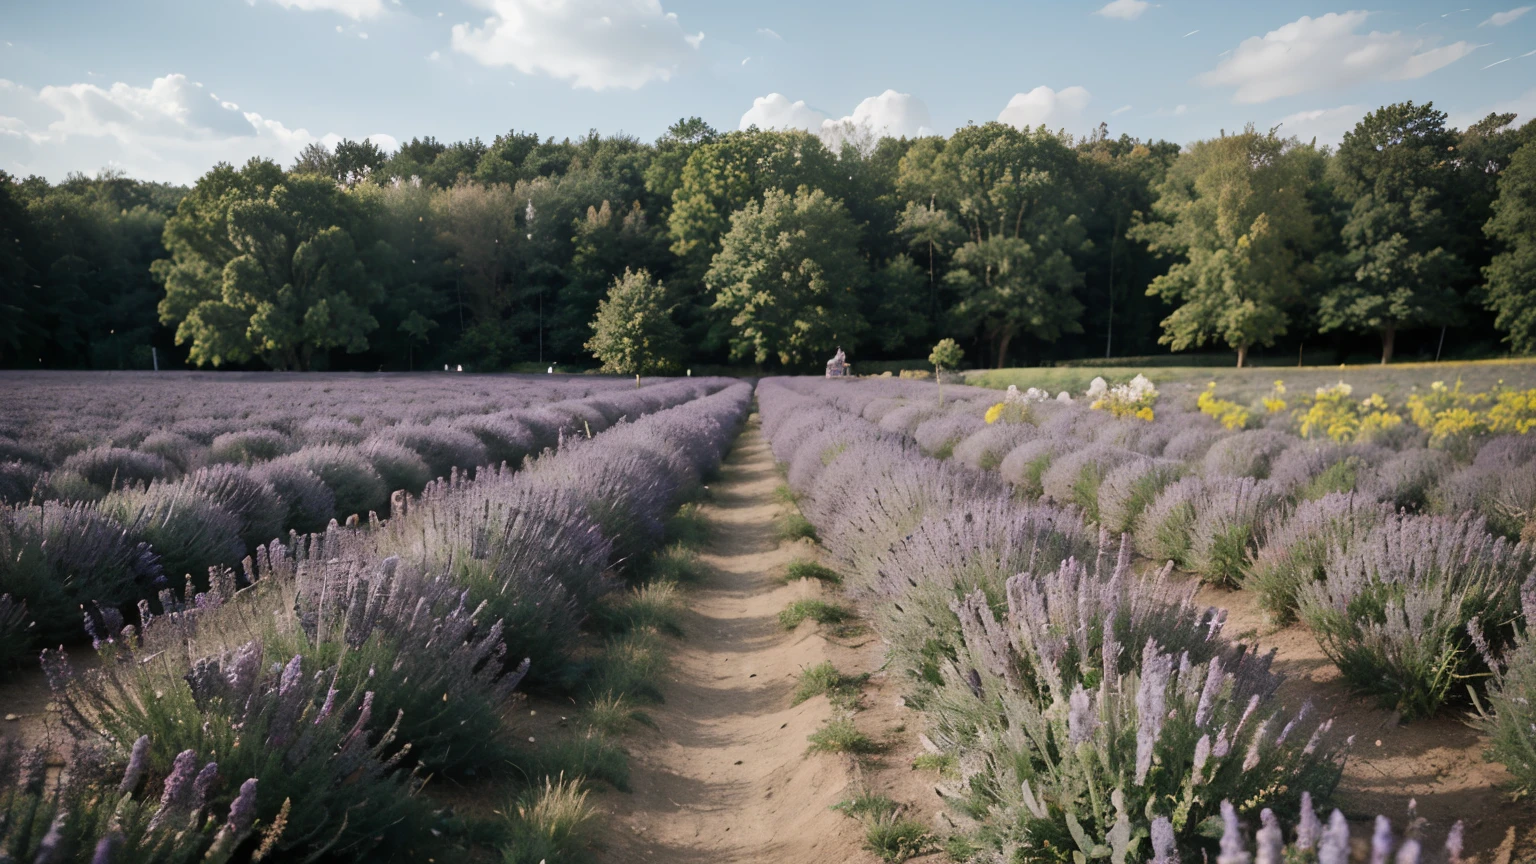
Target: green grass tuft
column 784, row 495
column 841, row 690
column 614, row 715
column 590, row 755
column 812, row 570
column 943, row 763
column 630, row 667
column 552, row 823
column 866, row 804
column 894, row 838
column 819, row 611
column 793, row 526
column 675, row 563
column 841, row 736
column 687, row 527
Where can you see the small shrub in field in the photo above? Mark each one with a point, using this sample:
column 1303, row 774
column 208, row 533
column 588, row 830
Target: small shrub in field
column 812, row 570
column 677, row 564
column 355, row 486
column 319, row 431
column 104, row 812
column 841, row 736
column 281, row 724
column 13, row 451
column 1392, row 611
column 249, row 446
column 308, row 503
column 1408, row 479
column 178, row 450
column 1224, row 535
column 612, row 715
column 984, row 450
column 1191, row 444
column 183, row 526
column 253, row 501
column 866, row 804
column 1128, row 489
column 68, row 487
column 549, row 823
column 657, row 605
column 1507, row 714
column 1297, row 546
column 590, row 756
column 939, row 435
column 631, row 666
column 1163, row 529
column 443, row 448
column 1075, row 477
column 398, row 467
column 505, row 440
column 687, row 527
column 18, row 482
column 819, row 611
column 1247, row 454
column 1026, row 464
column 110, row 468
column 57, row 558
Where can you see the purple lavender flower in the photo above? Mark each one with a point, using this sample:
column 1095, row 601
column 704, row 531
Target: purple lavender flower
column 1164, row 848
column 1232, row 851
column 242, row 811
column 1333, row 848
column 138, row 763
column 1270, row 840
column 203, row 785
column 1082, row 721
column 1308, row 828
column 107, row 848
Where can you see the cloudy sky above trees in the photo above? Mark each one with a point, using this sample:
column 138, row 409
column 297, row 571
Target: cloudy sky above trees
column 162, row 89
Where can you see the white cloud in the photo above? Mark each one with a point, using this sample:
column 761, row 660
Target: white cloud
column 1128, row 10
column 891, row 114
column 435, row 56
column 1055, row 109
column 1326, row 125
column 744, row 60
column 357, row 10
column 171, row 130
column 769, row 32
column 775, row 111
column 1499, row 19
column 595, row 44
column 1121, row 110
column 1325, row 53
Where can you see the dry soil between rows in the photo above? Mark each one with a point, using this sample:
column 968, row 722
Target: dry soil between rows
column 725, row 777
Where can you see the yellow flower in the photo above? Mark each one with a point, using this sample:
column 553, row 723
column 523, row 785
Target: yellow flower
column 994, row 412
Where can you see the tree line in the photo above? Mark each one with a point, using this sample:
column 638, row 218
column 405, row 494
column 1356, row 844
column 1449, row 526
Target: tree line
column 768, row 248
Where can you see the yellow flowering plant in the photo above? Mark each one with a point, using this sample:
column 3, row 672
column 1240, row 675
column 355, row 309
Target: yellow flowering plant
column 1228, row 413
column 1274, row 403
column 1015, row 406
column 1332, row 413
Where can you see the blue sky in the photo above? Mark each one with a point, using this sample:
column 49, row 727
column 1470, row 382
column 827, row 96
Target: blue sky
column 164, row 88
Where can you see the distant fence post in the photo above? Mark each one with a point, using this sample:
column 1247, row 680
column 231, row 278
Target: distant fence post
column 154, row 354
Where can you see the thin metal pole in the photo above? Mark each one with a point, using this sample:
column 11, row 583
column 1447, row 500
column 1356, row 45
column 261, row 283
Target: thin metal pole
column 1441, row 345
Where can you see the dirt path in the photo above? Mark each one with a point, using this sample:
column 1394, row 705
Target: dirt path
column 726, row 777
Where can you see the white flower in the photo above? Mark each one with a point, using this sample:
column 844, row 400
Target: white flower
column 1097, row 388
column 1063, row 396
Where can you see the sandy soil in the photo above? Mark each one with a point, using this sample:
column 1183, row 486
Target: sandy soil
column 725, row 777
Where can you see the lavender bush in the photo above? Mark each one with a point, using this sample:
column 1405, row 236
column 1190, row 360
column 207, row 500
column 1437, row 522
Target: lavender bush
column 1129, row 488
column 984, row 450
column 1297, row 545
column 179, row 450
column 443, row 448
column 1408, row 479
column 399, row 467
column 506, row 440
column 1392, row 611
column 57, row 558
column 18, row 482
column 249, row 446
column 1026, row 464
column 355, row 486
column 1163, row 529
column 15, row 632
column 109, row 468
column 185, row 528
column 101, row 812
column 1247, row 454
column 1507, row 715
column 939, row 434
column 253, row 502
column 307, row 501
column 1224, row 534
column 1074, row 478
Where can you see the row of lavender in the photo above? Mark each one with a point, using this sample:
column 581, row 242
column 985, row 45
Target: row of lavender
column 298, row 717
column 1402, row 561
column 1088, row 711
column 113, row 525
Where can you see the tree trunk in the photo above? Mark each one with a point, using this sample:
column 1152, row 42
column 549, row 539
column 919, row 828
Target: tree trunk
column 1388, row 340
column 1002, row 347
column 1242, row 355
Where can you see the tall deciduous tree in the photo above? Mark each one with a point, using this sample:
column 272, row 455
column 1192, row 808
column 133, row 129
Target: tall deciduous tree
column 633, row 333
column 1395, row 168
column 284, row 281
column 1511, row 288
column 1235, row 208
column 787, row 277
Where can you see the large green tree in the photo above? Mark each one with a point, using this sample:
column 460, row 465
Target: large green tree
column 1014, row 194
column 1511, row 278
column 787, row 279
column 284, row 281
column 1234, row 211
column 633, row 332
column 1395, row 171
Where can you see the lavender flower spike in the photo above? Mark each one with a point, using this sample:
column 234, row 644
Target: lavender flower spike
column 1334, row 847
column 1081, row 720
column 1164, row 850
column 1381, row 840
column 203, row 784
column 1308, row 829
column 1270, row 839
column 1453, row 843
column 242, row 812
column 138, row 761
column 1232, row 851
column 107, row 849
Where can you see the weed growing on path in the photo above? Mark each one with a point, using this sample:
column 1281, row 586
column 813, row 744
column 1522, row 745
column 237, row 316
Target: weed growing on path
column 819, row 611
column 841, row 690
column 793, row 526
column 552, row 823
column 812, row 570
column 841, row 736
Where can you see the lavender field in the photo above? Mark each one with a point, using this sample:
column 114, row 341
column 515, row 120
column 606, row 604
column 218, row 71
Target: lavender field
column 352, row 617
